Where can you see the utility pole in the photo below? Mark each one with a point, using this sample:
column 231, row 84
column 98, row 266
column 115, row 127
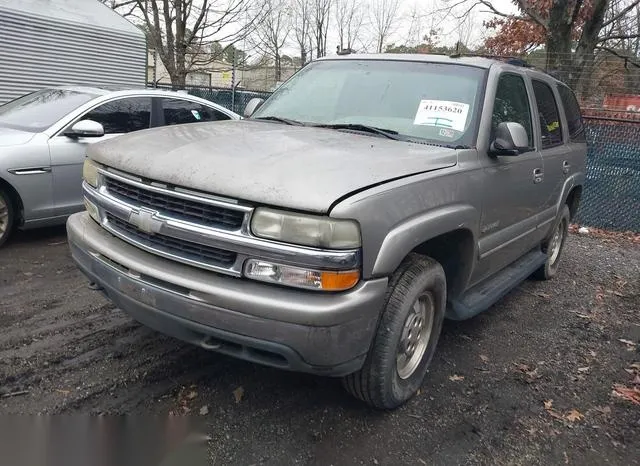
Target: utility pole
column 233, row 80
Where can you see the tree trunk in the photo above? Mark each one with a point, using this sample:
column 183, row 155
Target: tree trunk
column 584, row 56
column 558, row 44
column 278, row 69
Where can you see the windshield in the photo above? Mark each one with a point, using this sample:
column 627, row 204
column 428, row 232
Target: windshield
column 423, row 101
column 37, row 111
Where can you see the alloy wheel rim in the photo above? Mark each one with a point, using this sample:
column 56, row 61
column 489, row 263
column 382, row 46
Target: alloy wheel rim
column 4, row 216
column 415, row 336
column 556, row 243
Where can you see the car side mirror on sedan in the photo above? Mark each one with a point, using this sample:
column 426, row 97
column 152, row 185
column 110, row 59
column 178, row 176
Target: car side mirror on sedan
column 85, row 129
column 510, row 139
column 252, row 106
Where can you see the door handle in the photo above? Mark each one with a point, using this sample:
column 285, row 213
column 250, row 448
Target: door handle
column 565, row 167
column 538, row 175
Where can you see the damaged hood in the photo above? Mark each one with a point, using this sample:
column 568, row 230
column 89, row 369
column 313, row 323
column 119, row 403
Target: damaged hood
column 294, row 167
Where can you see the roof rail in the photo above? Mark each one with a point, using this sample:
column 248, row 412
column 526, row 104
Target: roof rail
column 516, row 61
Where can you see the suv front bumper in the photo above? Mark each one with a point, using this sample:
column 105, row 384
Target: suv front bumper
column 307, row 331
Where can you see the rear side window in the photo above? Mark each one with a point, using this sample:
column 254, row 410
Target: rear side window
column 177, row 112
column 550, row 126
column 572, row 110
column 512, row 104
column 123, row 115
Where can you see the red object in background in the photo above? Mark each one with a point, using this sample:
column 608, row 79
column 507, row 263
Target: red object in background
column 622, row 102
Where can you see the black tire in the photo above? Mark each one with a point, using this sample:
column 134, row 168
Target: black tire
column 561, row 227
column 7, row 216
column 379, row 383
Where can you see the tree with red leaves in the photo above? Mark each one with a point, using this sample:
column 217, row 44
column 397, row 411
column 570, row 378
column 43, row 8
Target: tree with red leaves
column 569, row 30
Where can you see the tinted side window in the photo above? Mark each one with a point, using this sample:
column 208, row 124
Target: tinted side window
column 123, row 115
column 177, row 112
column 512, row 104
column 572, row 110
column 548, row 110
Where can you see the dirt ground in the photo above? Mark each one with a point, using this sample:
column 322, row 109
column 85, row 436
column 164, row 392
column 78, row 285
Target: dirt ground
column 531, row 381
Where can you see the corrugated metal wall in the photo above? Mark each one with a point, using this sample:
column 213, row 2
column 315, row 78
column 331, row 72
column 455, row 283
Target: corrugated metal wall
column 36, row 51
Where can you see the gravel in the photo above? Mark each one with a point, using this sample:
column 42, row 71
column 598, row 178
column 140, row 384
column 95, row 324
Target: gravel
column 530, row 381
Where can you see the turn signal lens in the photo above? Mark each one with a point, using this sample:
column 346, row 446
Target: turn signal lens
column 338, row 281
column 299, row 277
column 92, row 209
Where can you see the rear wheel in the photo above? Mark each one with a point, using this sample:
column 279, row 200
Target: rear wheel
column 7, row 215
column 406, row 338
column 554, row 247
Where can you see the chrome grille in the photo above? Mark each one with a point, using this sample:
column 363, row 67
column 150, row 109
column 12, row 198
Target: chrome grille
column 181, row 248
column 184, row 209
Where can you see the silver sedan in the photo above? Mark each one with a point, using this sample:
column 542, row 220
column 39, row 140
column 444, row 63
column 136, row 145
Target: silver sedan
column 44, row 136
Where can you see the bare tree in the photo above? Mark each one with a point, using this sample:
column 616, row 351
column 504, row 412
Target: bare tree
column 302, row 28
column 349, row 18
column 321, row 13
column 384, row 16
column 181, row 31
column 272, row 33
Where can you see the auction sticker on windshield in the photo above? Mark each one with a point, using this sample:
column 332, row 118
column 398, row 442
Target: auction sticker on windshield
column 442, row 114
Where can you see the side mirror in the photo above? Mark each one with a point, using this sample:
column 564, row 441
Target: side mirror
column 253, row 105
column 510, row 139
column 85, row 129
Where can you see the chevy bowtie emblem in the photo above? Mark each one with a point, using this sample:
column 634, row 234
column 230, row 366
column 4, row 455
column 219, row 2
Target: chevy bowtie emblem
column 146, row 221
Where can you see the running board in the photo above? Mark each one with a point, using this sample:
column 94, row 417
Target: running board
column 484, row 294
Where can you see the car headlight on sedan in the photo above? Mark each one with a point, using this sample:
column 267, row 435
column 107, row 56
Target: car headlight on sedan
column 305, row 230
column 90, row 172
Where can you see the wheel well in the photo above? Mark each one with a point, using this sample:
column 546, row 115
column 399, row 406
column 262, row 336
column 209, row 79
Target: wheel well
column 14, row 197
column 454, row 251
column 573, row 201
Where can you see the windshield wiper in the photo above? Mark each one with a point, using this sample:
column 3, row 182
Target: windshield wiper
column 286, row 121
column 388, row 133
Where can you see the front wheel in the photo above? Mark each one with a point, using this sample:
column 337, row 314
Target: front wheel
column 406, row 338
column 554, row 246
column 6, row 216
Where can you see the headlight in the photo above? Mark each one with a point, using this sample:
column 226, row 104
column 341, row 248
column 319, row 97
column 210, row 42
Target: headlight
column 307, row 230
column 299, row 277
column 90, row 172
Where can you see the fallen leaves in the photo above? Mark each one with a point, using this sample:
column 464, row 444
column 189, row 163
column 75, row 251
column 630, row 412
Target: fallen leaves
column 204, row 410
column 629, row 394
column 531, row 375
column 484, row 358
column 456, row 378
column 238, row 393
column 572, row 416
column 631, row 236
column 630, row 344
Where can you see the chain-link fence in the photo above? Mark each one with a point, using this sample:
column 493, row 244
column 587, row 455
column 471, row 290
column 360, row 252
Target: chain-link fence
column 235, row 100
column 611, row 196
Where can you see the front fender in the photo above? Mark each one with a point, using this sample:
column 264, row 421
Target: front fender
column 408, row 235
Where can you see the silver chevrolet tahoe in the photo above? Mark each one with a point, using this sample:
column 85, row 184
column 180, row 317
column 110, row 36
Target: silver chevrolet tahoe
column 333, row 229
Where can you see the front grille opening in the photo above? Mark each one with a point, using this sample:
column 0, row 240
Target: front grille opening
column 180, row 248
column 188, row 210
column 244, row 352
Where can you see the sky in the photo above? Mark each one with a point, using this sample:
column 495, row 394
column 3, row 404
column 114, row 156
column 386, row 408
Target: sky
column 431, row 13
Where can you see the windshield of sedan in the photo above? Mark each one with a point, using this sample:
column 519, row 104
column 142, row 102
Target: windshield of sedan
column 425, row 102
column 37, row 111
